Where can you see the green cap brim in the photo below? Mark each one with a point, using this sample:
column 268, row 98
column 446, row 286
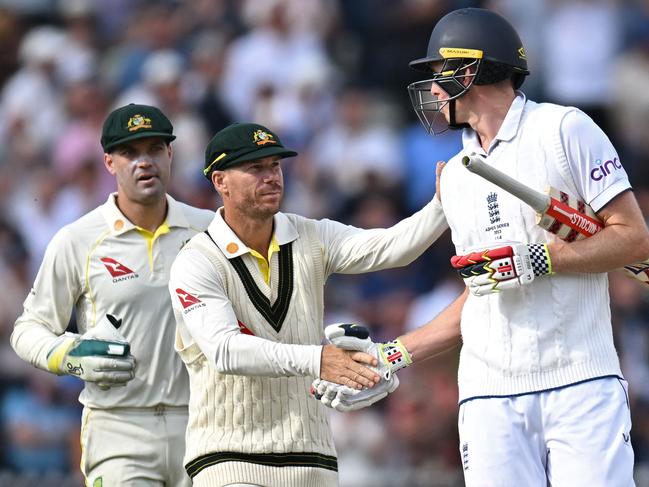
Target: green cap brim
column 250, row 156
column 139, row 135
column 264, row 152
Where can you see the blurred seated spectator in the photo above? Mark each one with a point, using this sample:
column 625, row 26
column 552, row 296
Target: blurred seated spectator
column 358, row 153
column 273, row 53
column 31, row 113
column 40, row 420
column 421, row 152
column 42, row 202
column 77, row 156
column 422, row 426
column 580, row 41
column 630, row 105
column 428, row 305
column 16, row 279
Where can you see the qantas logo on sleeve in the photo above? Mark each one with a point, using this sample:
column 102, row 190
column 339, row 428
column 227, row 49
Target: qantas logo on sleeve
column 118, row 270
column 244, row 329
column 188, row 300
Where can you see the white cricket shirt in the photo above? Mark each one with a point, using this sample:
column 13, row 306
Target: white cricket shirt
column 557, row 330
column 101, row 264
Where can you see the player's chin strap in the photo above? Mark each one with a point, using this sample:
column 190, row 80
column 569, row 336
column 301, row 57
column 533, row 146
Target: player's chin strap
column 452, row 122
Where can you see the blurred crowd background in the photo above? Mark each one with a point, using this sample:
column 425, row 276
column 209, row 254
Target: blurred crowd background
column 329, row 76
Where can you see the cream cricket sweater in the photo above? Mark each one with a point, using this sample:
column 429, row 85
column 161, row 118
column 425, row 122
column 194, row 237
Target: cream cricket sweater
column 250, row 408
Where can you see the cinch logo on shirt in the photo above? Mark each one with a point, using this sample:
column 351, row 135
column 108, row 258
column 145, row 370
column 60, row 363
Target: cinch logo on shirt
column 188, row 300
column 118, row 270
column 604, row 169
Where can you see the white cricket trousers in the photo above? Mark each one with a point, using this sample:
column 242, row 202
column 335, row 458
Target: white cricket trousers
column 134, row 447
column 574, row 436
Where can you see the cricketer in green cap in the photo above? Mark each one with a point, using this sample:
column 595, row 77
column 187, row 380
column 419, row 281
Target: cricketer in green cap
column 132, row 122
column 242, row 142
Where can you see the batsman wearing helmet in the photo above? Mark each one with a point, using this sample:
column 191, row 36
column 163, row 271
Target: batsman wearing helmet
column 542, row 397
column 112, row 267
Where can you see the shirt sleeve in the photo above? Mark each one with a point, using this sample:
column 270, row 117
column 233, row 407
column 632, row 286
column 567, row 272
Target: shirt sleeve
column 49, row 304
column 351, row 250
column 595, row 165
column 207, row 317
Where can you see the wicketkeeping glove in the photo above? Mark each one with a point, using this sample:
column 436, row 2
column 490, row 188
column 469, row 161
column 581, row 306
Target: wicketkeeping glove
column 391, row 357
column 511, row 266
column 101, row 355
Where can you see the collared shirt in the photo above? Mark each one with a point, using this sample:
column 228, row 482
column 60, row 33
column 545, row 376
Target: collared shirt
column 104, row 264
column 555, row 331
column 232, row 246
column 506, row 132
column 215, row 327
column 593, row 162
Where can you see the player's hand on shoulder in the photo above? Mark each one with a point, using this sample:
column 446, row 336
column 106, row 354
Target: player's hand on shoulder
column 495, row 269
column 101, row 355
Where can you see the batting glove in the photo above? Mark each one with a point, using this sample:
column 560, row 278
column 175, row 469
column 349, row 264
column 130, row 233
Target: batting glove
column 343, row 398
column 494, row 270
column 101, row 355
column 391, row 357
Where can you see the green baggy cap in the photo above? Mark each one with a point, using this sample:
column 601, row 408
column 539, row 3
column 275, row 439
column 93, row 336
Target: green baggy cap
column 242, row 142
column 132, row 122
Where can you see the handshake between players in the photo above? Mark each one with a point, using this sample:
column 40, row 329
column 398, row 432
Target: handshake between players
column 487, row 271
column 389, row 357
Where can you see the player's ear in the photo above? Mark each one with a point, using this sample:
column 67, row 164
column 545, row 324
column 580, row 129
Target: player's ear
column 219, row 181
column 108, row 162
column 468, row 71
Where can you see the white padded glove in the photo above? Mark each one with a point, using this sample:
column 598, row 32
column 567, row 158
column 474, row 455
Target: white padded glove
column 101, row 355
column 391, row 357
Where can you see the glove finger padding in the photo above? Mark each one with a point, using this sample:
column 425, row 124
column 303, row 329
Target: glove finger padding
column 390, row 356
column 313, row 390
column 349, row 336
column 343, row 398
column 101, row 355
column 353, row 399
column 494, row 270
column 324, row 390
column 102, row 369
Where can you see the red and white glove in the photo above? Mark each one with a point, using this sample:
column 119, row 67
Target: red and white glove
column 493, row 270
column 391, row 357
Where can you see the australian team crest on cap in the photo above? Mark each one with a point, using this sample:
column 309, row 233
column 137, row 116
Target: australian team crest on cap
column 132, row 122
column 137, row 122
column 262, row 137
column 242, row 142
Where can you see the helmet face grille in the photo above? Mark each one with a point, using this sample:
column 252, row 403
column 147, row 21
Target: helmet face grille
column 474, row 38
column 428, row 107
column 451, row 79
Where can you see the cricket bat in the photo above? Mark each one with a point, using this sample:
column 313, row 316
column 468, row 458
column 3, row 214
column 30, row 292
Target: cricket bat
column 556, row 211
